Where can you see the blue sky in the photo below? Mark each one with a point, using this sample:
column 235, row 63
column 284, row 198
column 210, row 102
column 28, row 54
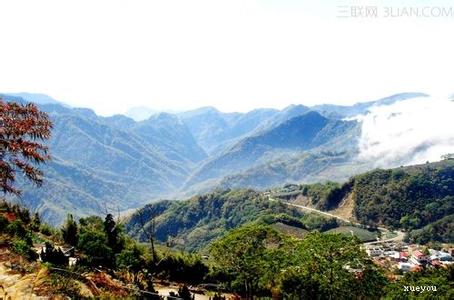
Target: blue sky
column 235, row 55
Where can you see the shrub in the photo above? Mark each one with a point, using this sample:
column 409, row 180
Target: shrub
column 35, row 222
column 130, row 259
column 46, row 229
column 22, row 213
column 23, row 248
column 66, row 285
column 320, row 223
column 16, row 228
column 70, row 231
column 94, row 245
column 3, row 224
column 187, row 268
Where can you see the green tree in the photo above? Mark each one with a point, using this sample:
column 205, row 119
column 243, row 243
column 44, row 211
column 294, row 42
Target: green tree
column 331, row 266
column 441, row 279
column 181, row 267
column 16, row 228
column 130, row 259
column 243, row 254
column 112, row 232
column 93, row 244
column 70, row 231
column 35, row 222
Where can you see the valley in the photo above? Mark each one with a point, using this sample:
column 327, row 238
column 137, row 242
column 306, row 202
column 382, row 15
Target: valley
column 226, row 150
column 293, row 236
column 118, row 164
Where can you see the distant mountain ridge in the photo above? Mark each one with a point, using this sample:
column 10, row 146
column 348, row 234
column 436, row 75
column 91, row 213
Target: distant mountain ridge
column 117, row 163
column 297, row 134
column 99, row 164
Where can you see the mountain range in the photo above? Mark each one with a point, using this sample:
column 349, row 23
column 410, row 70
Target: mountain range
column 117, row 163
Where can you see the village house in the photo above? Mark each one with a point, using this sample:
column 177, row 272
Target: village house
column 418, row 258
column 440, row 256
column 374, row 251
column 405, row 267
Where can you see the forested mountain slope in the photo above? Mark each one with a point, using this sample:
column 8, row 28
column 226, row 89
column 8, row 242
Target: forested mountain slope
column 418, row 199
column 415, row 198
column 215, row 130
column 117, row 163
column 192, row 224
column 294, row 136
column 114, row 162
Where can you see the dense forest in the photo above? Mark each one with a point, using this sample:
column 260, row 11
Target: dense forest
column 408, row 197
column 193, row 223
column 418, row 199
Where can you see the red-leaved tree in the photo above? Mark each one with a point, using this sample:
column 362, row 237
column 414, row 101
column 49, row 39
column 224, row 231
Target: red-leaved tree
column 23, row 129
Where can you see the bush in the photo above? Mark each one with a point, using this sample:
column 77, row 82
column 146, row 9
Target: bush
column 70, row 231
column 35, row 222
column 23, row 248
column 22, row 213
column 130, row 259
column 46, row 229
column 288, row 220
column 94, row 245
column 320, row 223
column 3, row 224
column 17, row 229
column 65, row 285
column 187, row 268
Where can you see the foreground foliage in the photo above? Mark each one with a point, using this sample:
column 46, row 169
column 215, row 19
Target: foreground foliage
column 23, row 129
column 257, row 260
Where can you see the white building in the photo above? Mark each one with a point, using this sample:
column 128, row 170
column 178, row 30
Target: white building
column 406, row 267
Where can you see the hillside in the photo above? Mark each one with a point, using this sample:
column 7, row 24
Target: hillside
column 94, row 258
column 114, row 162
column 292, row 137
column 117, row 163
column 417, row 199
column 193, row 223
column 215, row 130
column 408, row 197
column 414, row 198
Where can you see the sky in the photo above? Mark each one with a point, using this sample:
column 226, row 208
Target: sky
column 111, row 55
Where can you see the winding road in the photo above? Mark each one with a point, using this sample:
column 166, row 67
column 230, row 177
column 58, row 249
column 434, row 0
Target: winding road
column 399, row 234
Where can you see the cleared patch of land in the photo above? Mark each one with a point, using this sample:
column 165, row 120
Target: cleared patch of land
column 364, row 235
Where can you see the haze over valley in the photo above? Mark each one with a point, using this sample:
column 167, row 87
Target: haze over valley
column 118, row 163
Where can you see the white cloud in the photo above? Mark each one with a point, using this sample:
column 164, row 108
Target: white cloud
column 408, row 132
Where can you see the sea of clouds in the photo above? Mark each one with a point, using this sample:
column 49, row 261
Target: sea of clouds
column 407, row 132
